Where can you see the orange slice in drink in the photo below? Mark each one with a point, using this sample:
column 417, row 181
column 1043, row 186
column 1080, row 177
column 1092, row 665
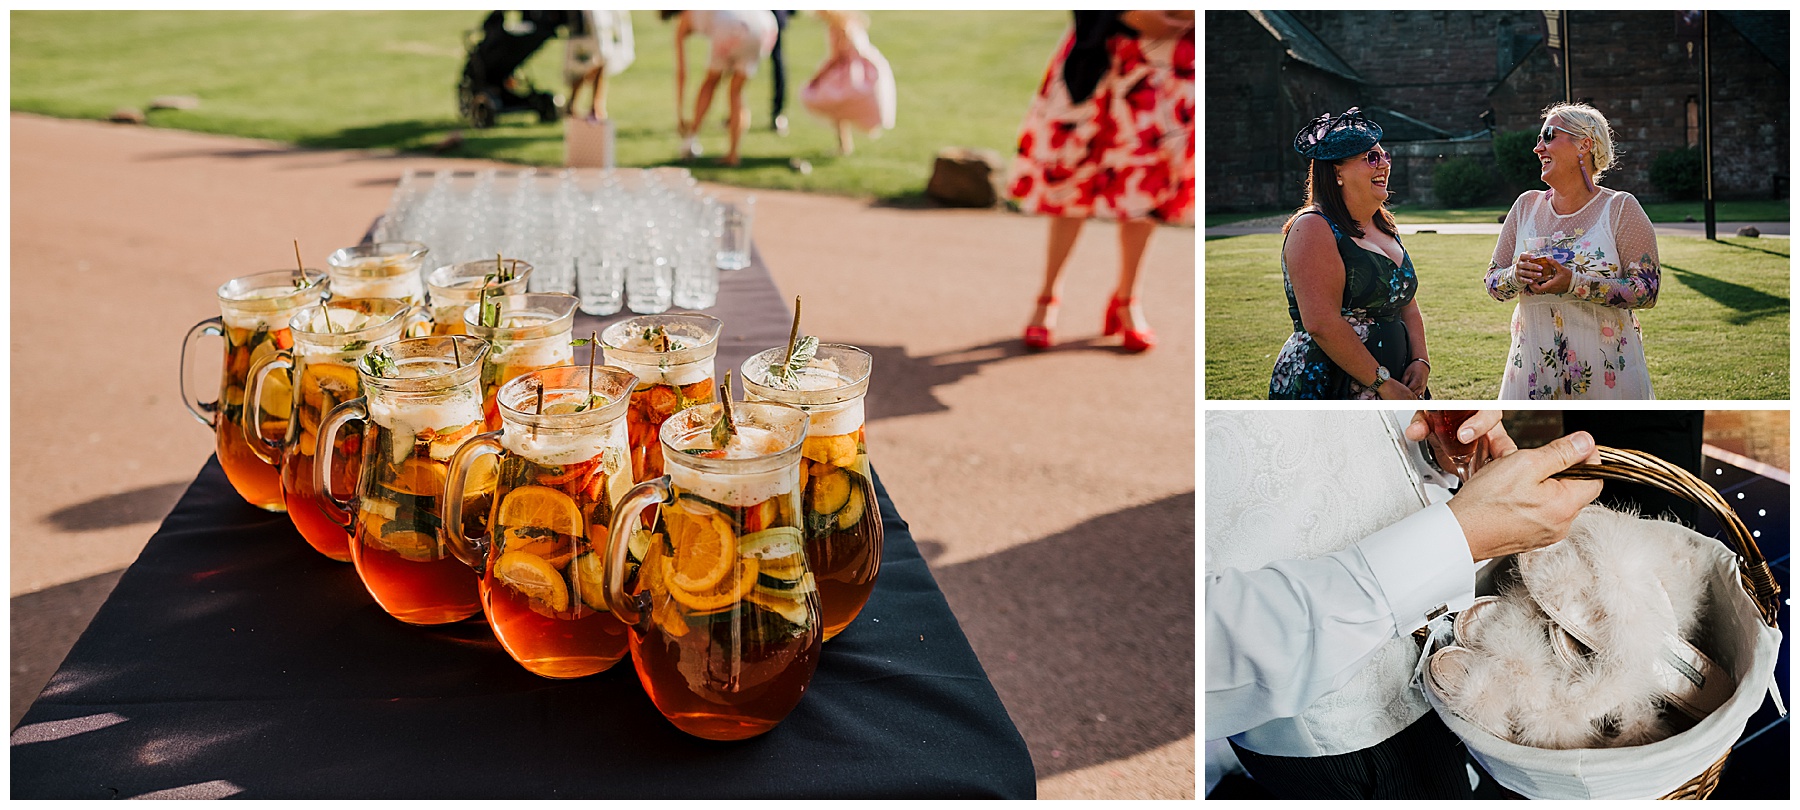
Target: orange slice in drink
column 723, row 594
column 484, row 475
column 541, row 508
column 705, row 548
column 322, row 378
column 418, row 477
column 530, row 575
column 415, row 546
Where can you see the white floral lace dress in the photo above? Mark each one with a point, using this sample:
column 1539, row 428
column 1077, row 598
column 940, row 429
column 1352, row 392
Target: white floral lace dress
column 1585, row 343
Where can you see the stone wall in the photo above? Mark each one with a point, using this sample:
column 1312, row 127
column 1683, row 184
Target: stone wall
column 1446, row 67
column 1257, row 98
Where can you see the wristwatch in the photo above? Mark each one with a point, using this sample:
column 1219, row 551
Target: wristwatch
column 1381, row 377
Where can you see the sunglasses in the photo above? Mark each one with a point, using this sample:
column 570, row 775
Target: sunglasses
column 1548, row 133
column 1378, row 156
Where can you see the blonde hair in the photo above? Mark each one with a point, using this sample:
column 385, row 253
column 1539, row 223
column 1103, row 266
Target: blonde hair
column 1587, row 122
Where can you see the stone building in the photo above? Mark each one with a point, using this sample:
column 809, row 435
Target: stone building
column 1442, row 82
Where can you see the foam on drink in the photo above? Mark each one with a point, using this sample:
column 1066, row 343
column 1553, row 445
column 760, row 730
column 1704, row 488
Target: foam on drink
column 736, row 489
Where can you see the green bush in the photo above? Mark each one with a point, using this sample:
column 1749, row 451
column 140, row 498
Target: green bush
column 1518, row 165
column 1461, row 182
column 1677, row 173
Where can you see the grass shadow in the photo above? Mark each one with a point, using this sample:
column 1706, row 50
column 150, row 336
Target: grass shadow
column 1747, row 303
column 1755, row 249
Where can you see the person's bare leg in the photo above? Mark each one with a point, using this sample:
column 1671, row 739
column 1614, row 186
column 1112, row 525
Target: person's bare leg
column 1063, row 231
column 740, row 116
column 845, row 142
column 703, row 101
column 598, row 77
column 1134, row 236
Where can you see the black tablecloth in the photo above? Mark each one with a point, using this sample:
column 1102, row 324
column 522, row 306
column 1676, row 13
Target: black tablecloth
column 233, row 660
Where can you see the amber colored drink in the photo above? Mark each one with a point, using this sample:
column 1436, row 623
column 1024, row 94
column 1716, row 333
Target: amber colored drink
column 258, row 481
column 843, row 529
column 543, row 586
column 651, row 405
column 322, row 386
column 732, row 657
column 397, row 544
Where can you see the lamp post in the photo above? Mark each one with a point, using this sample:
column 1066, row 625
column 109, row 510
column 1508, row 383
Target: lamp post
column 1706, row 111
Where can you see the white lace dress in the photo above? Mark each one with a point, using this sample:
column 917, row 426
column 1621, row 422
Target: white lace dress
column 1585, row 343
column 1303, row 484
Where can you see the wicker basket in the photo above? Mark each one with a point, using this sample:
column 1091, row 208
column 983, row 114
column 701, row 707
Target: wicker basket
column 1753, row 571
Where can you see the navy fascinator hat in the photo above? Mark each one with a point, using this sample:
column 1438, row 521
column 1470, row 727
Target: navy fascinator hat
column 1331, row 137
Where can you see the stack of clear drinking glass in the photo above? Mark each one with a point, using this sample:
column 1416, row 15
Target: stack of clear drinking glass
column 643, row 239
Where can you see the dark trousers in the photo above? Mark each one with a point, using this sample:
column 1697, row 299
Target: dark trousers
column 779, row 66
column 1423, row 761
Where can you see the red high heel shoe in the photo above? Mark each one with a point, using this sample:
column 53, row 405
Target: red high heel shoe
column 1135, row 341
column 1037, row 338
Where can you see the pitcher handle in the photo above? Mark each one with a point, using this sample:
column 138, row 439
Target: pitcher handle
column 642, row 496
column 338, row 511
column 206, row 412
column 268, row 451
column 472, row 551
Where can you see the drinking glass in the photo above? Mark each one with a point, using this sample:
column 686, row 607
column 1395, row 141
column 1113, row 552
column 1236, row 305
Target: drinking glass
column 724, row 609
column 422, row 402
column 562, row 467
column 696, row 269
column 1464, row 457
column 329, row 340
column 650, row 278
column 527, row 332
column 842, row 526
column 672, row 356
column 254, row 312
column 380, row 270
column 455, row 288
column 734, row 234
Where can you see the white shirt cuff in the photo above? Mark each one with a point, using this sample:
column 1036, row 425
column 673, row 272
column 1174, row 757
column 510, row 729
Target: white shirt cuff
column 1423, row 566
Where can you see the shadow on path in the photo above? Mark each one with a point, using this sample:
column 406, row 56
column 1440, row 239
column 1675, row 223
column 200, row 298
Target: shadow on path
column 1088, row 634
column 45, row 625
column 905, row 385
column 1750, row 304
column 141, row 505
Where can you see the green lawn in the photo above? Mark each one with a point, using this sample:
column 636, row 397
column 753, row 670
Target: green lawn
column 387, row 79
column 1719, row 329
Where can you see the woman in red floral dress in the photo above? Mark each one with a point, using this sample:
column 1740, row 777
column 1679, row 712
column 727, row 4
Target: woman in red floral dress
column 1110, row 135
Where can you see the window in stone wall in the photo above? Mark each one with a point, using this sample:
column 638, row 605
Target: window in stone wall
column 1693, row 121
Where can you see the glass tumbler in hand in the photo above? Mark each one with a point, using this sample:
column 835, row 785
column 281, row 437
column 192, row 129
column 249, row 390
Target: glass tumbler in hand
column 1459, row 458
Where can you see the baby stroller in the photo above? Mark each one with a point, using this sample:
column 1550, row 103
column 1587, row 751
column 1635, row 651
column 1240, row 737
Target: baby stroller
column 489, row 86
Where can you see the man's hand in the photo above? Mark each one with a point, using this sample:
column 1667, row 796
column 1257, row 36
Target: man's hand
column 1514, row 505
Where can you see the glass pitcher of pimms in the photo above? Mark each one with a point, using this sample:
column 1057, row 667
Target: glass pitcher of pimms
column 672, row 356
column 454, row 288
column 842, row 525
column 525, row 333
column 329, row 340
column 724, row 610
column 421, row 400
column 253, row 318
column 562, row 467
column 380, row 270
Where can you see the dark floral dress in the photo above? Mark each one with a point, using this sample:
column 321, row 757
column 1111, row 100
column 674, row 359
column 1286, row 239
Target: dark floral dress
column 1375, row 290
